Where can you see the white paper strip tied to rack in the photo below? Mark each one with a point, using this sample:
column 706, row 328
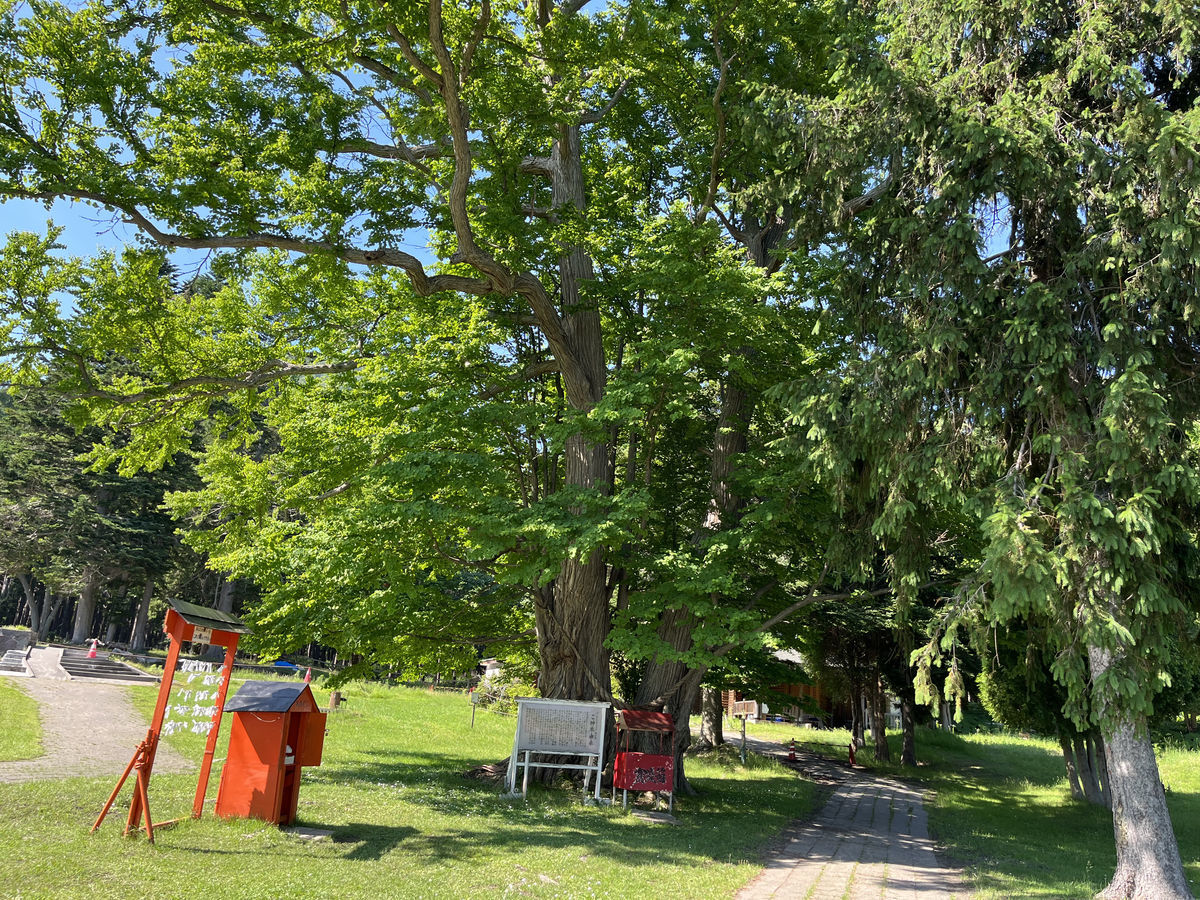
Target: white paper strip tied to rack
column 558, row 728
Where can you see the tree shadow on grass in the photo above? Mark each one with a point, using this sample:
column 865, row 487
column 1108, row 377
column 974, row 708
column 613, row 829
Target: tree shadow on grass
column 725, row 826
column 1005, row 836
column 372, row 841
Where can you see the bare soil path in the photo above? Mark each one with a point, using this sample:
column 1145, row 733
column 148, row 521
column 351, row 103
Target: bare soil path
column 89, row 727
column 871, row 840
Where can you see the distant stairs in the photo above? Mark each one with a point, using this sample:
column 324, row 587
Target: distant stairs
column 13, row 661
column 102, row 667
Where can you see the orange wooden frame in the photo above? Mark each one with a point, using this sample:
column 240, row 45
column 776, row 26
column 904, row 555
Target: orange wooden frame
column 180, row 631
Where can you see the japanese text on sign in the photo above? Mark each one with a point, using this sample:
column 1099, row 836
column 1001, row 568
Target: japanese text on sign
column 547, row 726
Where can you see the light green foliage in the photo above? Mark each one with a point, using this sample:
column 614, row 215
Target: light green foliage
column 314, row 144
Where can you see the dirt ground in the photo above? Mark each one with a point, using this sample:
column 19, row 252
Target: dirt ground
column 89, row 727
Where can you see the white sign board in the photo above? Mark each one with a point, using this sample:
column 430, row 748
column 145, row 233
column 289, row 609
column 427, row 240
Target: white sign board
column 562, row 728
column 193, row 707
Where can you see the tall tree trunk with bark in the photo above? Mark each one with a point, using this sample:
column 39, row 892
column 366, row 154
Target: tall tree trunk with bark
column 137, row 640
column 883, row 753
column 712, row 718
column 1148, row 862
column 225, row 594
column 857, row 725
column 1083, row 766
column 908, row 726
column 85, row 612
column 573, row 617
column 670, row 683
column 51, row 605
column 1068, row 752
column 35, row 607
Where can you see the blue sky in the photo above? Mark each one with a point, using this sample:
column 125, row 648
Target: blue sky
column 87, row 229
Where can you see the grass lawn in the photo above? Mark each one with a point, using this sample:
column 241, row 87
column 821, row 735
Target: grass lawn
column 1003, row 810
column 405, row 823
column 20, row 729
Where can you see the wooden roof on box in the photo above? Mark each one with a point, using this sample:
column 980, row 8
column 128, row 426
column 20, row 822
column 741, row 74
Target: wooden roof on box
column 265, row 696
column 645, row 720
column 206, row 617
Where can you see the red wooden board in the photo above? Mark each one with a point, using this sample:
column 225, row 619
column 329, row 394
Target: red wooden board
column 644, row 772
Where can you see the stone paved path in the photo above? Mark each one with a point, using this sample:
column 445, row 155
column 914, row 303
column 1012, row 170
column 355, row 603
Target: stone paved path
column 870, row 841
column 88, row 727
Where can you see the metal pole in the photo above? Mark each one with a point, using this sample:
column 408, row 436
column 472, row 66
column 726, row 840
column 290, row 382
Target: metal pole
column 743, row 740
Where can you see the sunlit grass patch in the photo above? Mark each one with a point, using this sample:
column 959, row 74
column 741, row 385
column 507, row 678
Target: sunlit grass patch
column 405, row 822
column 20, row 728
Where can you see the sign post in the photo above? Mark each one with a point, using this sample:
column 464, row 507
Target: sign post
column 743, row 709
column 185, row 622
column 559, row 728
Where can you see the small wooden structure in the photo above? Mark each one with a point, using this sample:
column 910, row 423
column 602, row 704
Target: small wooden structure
column 645, row 771
column 276, row 729
column 185, row 622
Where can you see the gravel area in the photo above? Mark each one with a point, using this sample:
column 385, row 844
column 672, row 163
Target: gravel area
column 89, row 727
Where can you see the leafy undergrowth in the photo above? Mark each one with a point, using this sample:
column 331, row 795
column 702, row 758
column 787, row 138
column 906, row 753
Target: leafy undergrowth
column 1003, row 810
column 404, row 823
column 20, row 729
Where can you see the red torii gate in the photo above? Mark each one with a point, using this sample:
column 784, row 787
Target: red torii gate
column 185, row 622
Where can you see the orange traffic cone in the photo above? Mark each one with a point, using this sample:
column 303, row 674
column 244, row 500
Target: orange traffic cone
column 92, row 652
column 792, row 751
column 308, row 675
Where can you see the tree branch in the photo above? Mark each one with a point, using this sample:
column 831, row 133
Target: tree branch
column 406, row 49
column 422, row 281
column 477, row 35
column 719, row 142
column 272, row 370
column 594, row 117
column 852, row 208
column 533, row 371
column 435, row 150
column 273, row 24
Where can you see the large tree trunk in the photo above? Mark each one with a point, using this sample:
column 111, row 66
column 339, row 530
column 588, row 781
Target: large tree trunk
column 137, row 640
column 908, row 726
column 225, row 594
column 573, row 618
column 668, row 682
column 857, row 726
column 883, row 753
column 85, row 612
column 671, row 685
column 712, row 718
column 1148, row 863
column 35, row 607
column 52, row 604
column 1068, row 752
column 1088, row 779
